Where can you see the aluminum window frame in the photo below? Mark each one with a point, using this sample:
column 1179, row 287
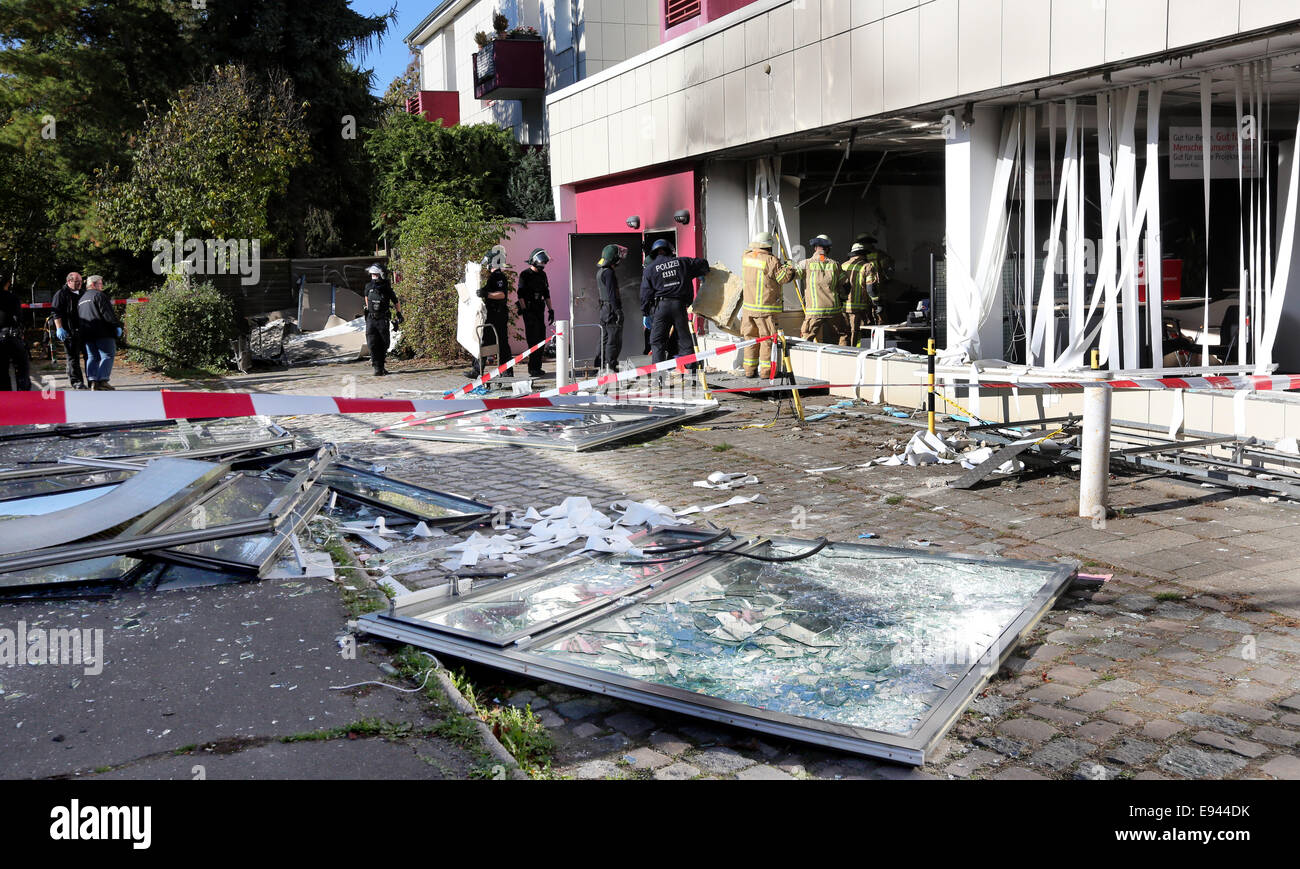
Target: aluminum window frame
column 658, row 415
column 522, row 634
column 910, row 749
column 138, row 542
column 475, row 510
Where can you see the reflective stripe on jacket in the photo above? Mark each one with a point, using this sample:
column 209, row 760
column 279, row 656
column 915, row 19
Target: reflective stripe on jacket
column 763, row 275
column 824, row 280
column 863, row 285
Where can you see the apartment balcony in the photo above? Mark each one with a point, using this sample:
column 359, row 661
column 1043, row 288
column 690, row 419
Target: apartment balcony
column 509, row 69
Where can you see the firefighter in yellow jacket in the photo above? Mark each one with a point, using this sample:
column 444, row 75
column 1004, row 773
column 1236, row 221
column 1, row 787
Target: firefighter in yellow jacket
column 823, row 320
column 863, row 303
column 763, row 276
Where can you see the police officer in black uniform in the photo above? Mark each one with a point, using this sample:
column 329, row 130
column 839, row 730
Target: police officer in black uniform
column 534, row 298
column 611, row 304
column 380, row 299
column 494, row 294
column 13, row 350
column 667, row 289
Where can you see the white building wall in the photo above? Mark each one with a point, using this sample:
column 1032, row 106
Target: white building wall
column 792, row 57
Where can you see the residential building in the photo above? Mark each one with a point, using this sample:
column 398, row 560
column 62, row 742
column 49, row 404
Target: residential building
column 579, row 38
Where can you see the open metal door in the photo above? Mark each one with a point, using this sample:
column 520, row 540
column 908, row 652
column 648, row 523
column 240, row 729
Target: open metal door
column 584, row 297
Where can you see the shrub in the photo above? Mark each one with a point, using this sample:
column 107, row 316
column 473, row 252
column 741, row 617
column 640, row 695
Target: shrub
column 182, row 327
column 429, row 258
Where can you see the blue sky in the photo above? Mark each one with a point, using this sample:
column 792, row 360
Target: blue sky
column 390, row 60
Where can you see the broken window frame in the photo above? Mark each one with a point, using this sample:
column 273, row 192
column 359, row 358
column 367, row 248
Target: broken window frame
column 657, row 415
column 102, row 514
column 137, row 542
column 911, row 749
column 497, row 589
column 275, row 436
column 473, row 510
column 296, row 519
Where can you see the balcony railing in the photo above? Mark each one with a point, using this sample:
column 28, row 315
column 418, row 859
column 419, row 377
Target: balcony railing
column 509, row 69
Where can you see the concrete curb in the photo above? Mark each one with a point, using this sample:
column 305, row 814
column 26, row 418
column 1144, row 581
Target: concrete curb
column 493, row 745
column 490, row 742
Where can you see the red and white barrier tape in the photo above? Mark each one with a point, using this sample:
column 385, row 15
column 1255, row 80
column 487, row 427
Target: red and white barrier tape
column 31, row 408
column 500, row 369
column 42, row 305
column 1263, row 383
column 678, row 364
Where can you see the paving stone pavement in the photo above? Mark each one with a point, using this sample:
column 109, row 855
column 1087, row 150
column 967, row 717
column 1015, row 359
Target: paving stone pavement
column 1185, row 663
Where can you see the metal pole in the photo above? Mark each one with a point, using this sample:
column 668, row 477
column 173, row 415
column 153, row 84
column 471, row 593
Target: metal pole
column 929, row 349
column 1094, row 469
column 561, row 353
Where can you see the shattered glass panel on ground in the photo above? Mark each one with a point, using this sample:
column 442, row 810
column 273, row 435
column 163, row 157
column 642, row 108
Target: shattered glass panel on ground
column 572, row 427
column 518, row 608
column 244, row 497
column 405, row 498
column 40, row 505
column 871, row 640
column 139, row 440
column 868, row 649
column 110, row 569
column 16, row 489
column 159, row 488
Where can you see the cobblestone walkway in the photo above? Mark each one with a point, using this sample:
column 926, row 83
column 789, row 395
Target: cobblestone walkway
column 1185, row 664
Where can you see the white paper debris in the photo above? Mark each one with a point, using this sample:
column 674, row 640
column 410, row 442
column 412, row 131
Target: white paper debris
column 733, row 502
column 724, row 481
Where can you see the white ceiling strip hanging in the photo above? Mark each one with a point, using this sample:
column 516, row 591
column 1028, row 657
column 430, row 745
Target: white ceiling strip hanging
column 1154, row 258
column 1207, row 156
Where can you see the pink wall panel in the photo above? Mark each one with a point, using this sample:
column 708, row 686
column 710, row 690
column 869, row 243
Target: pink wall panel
column 604, row 206
column 554, row 236
column 710, row 10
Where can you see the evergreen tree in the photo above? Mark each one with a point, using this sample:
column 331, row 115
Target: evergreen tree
column 529, row 188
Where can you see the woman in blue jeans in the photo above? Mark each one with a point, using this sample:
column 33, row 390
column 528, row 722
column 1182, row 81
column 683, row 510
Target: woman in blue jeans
column 100, row 330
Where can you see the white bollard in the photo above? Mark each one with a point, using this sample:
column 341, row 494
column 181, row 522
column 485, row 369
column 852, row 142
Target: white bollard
column 561, row 353
column 1094, row 469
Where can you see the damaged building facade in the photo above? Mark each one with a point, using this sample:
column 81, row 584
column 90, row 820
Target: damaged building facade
column 1041, row 152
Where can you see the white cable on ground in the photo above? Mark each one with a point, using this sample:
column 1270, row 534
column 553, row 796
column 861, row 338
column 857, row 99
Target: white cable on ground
column 427, row 674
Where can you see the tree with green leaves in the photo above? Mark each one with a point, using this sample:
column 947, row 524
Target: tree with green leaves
column 313, row 44
column 75, row 77
column 209, row 166
column 434, row 243
column 415, row 160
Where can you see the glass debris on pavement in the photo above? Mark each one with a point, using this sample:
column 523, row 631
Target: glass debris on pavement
column 574, row 427
column 865, row 648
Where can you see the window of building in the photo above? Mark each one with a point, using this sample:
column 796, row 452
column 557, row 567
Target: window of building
column 677, row 11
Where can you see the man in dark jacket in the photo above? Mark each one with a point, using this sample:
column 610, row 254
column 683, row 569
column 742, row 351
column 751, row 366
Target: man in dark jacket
column 100, row 329
column 13, row 350
column 667, row 290
column 65, row 322
column 611, row 305
column 381, row 304
column 494, row 293
column 535, row 305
